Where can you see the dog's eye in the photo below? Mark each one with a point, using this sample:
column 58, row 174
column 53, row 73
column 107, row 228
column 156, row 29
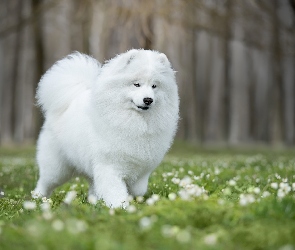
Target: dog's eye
column 154, row 86
column 137, row 85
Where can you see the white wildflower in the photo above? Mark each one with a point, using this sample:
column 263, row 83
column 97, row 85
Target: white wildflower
column 111, row 212
column 232, row 183
column 281, row 193
column 131, row 209
column 130, row 198
column 274, row 185
column 172, row 196
column 256, row 190
column 45, row 206
column 175, row 180
column 185, row 181
column 29, row 205
column 265, row 194
column 285, row 187
column 92, row 199
column 70, row 196
column 246, row 199
column 73, row 187
column 184, row 195
column 139, row 199
column 183, row 236
column 216, row 171
column 150, row 201
column 47, row 215
column 155, row 197
column 75, row 226
column 57, row 225
column 166, row 231
column 145, row 223
column 210, row 239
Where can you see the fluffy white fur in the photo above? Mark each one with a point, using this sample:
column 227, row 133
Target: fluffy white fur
column 97, row 124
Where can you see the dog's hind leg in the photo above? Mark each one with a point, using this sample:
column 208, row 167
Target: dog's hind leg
column 53, row 171
column 139, row 187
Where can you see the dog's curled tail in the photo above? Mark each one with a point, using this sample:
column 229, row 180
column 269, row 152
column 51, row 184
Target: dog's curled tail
column 65, row 81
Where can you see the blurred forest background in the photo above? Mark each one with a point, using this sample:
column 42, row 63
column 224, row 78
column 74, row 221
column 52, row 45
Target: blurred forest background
column 235, row 60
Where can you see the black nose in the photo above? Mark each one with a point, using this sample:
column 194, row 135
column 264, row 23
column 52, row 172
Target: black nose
column 148, row 101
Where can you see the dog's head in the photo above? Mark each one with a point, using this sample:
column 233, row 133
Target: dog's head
column 140, row 80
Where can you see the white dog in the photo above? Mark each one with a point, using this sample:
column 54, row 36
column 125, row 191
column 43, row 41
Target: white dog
column 112, row 124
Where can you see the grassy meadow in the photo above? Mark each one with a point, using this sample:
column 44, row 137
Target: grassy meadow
column 197, row 199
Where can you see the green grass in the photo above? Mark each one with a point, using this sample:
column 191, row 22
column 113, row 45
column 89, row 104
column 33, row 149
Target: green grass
column 215, row 219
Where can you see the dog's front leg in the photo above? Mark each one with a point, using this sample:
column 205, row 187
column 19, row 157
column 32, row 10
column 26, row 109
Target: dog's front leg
column 110, row 187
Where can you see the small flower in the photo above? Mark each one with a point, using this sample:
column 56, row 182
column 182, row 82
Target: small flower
column 71, row 195
column 29, row 205
column 232, row 183
column 184, row 195
column 274, row 185
column 47, row 215
column 185, row 181
column 45, row 206
column 281, row 193
column 183, row 236
column 265, row 194
column 285, row 187
column 150, row 201
column 111, row 212
column 130, row 198
column 131, row 209
column 57, row 225
column 75, row 226
column 73, row 187
column 92, row 199
column 145, row 223
column 172, row 196
column 210, row 239
column 246, row 199
column 256, row 190
column 175, row 180
column 155, row 197
column 139, row 199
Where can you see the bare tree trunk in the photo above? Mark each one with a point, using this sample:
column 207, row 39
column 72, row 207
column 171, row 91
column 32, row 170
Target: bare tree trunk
column 15, row 72
column 276, row 101
column 39, row 57
column 227, row 62
column 289, row 103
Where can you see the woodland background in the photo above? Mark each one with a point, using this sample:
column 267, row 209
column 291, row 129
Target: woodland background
column 235, row 60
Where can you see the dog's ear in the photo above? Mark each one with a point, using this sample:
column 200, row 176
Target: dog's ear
column 130, row 55
column 164, row 60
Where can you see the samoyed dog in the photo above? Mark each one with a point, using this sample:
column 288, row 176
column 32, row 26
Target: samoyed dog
column 110, row 123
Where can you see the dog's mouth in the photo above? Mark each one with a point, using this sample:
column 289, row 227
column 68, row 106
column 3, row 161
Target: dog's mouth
column 143, row 107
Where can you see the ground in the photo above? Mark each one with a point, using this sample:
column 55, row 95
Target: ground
column 197, row 199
